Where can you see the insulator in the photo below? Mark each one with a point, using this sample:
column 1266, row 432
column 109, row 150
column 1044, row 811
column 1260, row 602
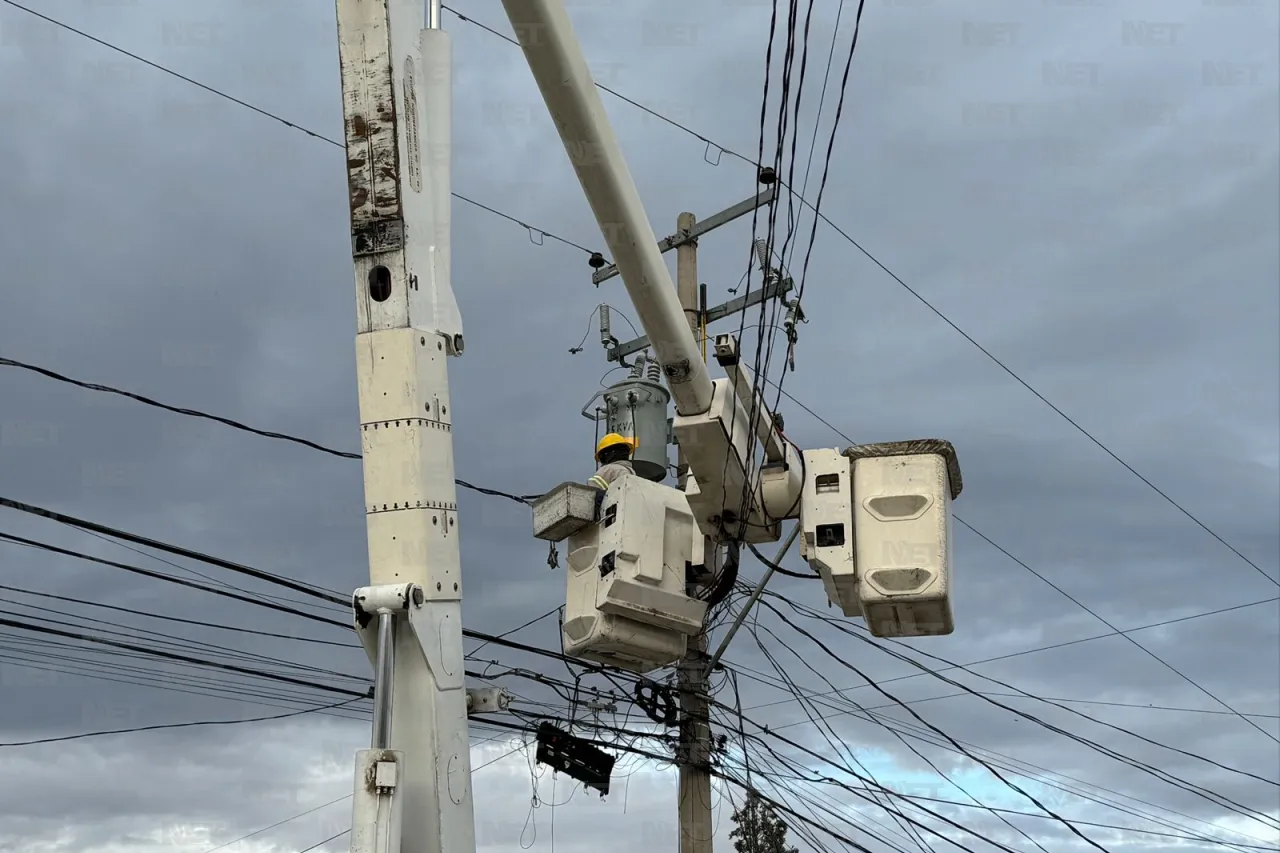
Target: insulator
column 596, row 261
column 637, row 369
column 762, row 253
column 606, row 335
column 767, row 175
column 655, row 371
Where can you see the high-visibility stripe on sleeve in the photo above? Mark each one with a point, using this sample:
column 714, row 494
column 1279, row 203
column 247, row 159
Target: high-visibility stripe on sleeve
column 599, row 483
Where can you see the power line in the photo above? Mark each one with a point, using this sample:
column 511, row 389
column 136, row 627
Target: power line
column 217, row 625
column 279, row 823
column 1065, row 594
column 925, row 302
column 466, row 632
column 83, row 735
column 170, row 640
column 900, row 656
column 318, row 844
column 343, row 798
column 1159, row 624
column 213, row 590
column 1042, row 775
column 267, row 114
column 44, row 629
column 817, row 214
column 115, row 533
column 196, row 413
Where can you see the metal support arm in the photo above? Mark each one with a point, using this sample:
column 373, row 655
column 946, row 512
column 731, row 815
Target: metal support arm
column 699, row 228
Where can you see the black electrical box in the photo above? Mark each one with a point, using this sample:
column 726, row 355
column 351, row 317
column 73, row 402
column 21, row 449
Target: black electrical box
column 577, row 758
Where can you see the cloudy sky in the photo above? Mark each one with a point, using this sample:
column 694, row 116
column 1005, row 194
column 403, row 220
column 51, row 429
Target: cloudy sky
column 1087, row 189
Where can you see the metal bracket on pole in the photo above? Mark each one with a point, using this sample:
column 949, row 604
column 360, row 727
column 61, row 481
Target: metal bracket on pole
column 711, row 223
column 487, row 700
column 773, row 290
column 427, row 629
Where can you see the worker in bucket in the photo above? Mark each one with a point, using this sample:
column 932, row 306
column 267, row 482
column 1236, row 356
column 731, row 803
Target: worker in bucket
column 613, row 454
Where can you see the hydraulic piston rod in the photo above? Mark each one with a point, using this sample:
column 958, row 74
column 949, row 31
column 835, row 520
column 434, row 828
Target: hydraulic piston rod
column 555, row 57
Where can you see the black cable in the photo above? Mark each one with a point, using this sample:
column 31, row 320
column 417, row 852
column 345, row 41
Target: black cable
column 42, row 655
column 167, row 640
column 475, row 635
column 279, row 823
column 755, row 164
column 217, row 625
column 137, row 677
column 318, row 844
column 1052, row 646
column 186, row 553
column 532, row 621
column 213, row 590
column 1221, row 800
column 902, row 657
column 1078, row 603
column 795, row 690
column 178, row 725
column 1015, row 765
column 313, row 134
column 196, row 413
column 826, row 167
column 42, row 629
column 833, row 740
column 779, row 569
column 1018, row 767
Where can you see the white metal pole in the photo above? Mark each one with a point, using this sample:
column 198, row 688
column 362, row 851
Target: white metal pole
column 396, row 92
column 555, row 57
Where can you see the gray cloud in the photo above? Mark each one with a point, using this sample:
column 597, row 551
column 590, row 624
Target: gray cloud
column 1099, row 213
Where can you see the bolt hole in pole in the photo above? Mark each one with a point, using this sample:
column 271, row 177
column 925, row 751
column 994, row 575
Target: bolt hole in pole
column 379, row 284
column 382, row 680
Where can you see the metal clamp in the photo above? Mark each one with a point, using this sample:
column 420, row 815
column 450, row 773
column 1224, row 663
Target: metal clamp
column 487, row 700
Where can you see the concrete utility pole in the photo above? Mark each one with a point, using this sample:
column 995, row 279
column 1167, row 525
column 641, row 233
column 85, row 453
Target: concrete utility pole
column 696, row 828
column 413, row 787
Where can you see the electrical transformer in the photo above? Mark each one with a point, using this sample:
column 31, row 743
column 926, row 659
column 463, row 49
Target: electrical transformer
column 877, row 529
column 627, row 568
column 637, row 408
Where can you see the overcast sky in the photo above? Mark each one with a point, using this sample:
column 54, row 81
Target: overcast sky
column 1088, row 189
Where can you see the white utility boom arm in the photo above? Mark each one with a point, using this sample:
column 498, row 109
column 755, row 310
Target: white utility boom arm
column 712, row 425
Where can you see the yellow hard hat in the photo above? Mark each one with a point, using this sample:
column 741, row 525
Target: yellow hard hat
column 613, row 439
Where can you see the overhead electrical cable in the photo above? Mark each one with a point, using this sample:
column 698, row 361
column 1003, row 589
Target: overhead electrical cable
column 186, row 553
column 1021, row 767
column 313, row 134
column 756, row 164
column 171, row 641
column 221, row 626
column 866, row 640
column 44, row 629
column 835, row 739
column 817, row 213
column 269, row 577
column 151, row 728
column 1212, row 796
column 1050, row 647
column 212, row 590
column 196, row 413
